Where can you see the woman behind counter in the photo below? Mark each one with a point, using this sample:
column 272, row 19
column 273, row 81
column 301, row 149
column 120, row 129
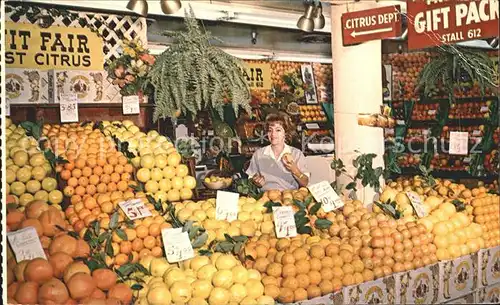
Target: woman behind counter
column 278, row 166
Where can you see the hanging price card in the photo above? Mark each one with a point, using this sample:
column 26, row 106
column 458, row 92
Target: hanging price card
column 324, row 193
column 226, row 206
column 459, row 143
column 25, row 244
column 485, row 109
column 284, row 222
column 131, row 104
column 417, row 204
column 135, row 209
column 68, row 106
column 476, row 133
column 431, row 112
column 177, row 245
column 7, row 107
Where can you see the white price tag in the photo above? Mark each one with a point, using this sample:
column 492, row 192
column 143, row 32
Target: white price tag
column 131, row 104
column 177, row 245
column 417, row 204
column 26, row 244
column 467, row 160
column 226, row 206
column 312, row 126
column 284, row 222
column 135, row 209
column 459, row 143
column 210, row 132
column 485, row 109
column 68, row 106
column 431, row 112
column 7, row 107
column 400, row 122
column 476, row 133
column 324, row 193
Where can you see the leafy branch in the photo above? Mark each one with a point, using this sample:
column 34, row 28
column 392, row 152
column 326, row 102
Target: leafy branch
column 426, row 175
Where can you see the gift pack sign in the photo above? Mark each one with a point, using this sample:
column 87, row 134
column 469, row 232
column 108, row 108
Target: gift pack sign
column 177, row 245
column 135, row 209
column 131, row 104
column 456, row 278
column 418, row 286
column 68, row 107
column 26, row 244
column 226, row 206
column 89, row 86
column 27, row 86
column 324, row 193
column 459, row 143
column 284, row 222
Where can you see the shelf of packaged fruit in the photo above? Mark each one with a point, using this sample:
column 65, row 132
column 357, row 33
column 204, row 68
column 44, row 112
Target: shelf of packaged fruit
column 448, row 174
column 457, row 100
column 450, row 122
column 80, row 105
column 417, row 147
column 312, row 125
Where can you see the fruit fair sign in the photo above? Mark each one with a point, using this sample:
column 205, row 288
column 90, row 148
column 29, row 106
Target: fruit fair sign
column 258, row 75
column 61, row 48
column 373, row 24
column 437, row 22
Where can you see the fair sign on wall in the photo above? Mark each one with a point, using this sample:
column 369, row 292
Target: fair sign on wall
column 60, row 48
column 436, row 22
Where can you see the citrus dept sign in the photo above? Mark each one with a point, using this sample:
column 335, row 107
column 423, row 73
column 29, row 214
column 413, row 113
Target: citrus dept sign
column 60, row 48
column 437, row 22
column 379, row 23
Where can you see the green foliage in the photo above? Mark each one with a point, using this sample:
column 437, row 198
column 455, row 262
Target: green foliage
column 445, row 68
column 426, row 175
column 246, row 187
column 193, row 75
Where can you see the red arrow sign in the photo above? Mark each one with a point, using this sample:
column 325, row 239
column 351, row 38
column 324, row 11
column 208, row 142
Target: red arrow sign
column 379, row 23
column 437, row 22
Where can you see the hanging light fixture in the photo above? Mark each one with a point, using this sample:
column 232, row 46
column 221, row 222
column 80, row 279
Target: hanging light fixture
column 170, row 6
column 306, row 22
column 319, row 19
column 138, row 6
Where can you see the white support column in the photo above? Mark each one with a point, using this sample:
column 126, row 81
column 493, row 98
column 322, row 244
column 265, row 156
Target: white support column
column 357, row 83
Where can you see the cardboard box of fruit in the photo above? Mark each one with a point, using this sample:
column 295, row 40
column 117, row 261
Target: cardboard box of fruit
column 488, row 270
column 457, row 277
column 380, row 291
column 487, row 295
column 418, row 286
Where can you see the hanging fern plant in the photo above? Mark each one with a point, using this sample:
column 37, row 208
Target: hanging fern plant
column 193, row 75
column 447, row 66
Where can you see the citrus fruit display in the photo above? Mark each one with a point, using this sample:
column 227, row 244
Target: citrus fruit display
column 216, row 280
column 27, row 173
column 157, row 161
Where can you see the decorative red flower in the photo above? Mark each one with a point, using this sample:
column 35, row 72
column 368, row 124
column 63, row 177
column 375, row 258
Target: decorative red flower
column 148, row 58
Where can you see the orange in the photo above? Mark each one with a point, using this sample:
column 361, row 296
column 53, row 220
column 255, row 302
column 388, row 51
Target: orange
column 65, row 174
column 92, row 162
column 102, row 188
column 154, row 229
column 112, row 187
column 77, row 173
column 122, row 186
column 80, row 163
column 137, row 244
column 126, row 247
column 157, row 251
column 80, row 190
column 91, row 189
column 108, row 169
column 112, row 160
column 83, row 181
column 144, row 252
column 122, row 160
column 149, row 242
column 76, row 199
column 115, row 177
column 121, row 259
column 73, row 181
column 126, row 177
column 94, row 179
column 97, row 170
column 119, row 169
column 86, row 171
column 69, row 191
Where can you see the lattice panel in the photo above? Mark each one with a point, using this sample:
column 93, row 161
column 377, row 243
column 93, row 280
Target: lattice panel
column 113, row 28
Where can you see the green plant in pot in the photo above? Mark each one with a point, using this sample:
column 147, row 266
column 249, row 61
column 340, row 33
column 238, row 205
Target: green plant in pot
column 193, row 75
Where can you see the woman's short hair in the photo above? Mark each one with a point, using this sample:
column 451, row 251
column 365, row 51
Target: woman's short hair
column 282, row 119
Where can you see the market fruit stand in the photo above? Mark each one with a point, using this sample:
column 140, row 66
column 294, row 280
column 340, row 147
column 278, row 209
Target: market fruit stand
column 108, row 210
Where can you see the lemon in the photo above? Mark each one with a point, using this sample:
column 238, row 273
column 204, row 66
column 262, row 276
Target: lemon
column 240, row 274
column 198, row 262
column 219, row 296
column 159, row 295
column 181, row 292
column 158, row 266
column 206, row 272
column 255, row 288
column 201, row 289
column 223, row 279
column 173, row 275
column 143, row 175
column 238, row 293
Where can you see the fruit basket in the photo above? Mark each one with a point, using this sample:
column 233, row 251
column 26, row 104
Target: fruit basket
column 217, row 180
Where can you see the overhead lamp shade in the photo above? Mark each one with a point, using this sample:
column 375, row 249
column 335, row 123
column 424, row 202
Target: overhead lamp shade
column 170, row 6
column 306, row 22
column 139, row 7
column 319, row 19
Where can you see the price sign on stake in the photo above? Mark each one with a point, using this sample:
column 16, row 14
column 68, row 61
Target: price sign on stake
column 68, row 106
column 131, row 104
column 226, row 206
column 284, row 222
column 135, row 209
column 459, row 143
column 7, row 107
column 177, row 245
column 324, row 193
column 26, row 244
column 417, row 204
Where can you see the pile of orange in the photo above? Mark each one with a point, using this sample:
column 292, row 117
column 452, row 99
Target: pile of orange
column 487, row 214
column 305, row 267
